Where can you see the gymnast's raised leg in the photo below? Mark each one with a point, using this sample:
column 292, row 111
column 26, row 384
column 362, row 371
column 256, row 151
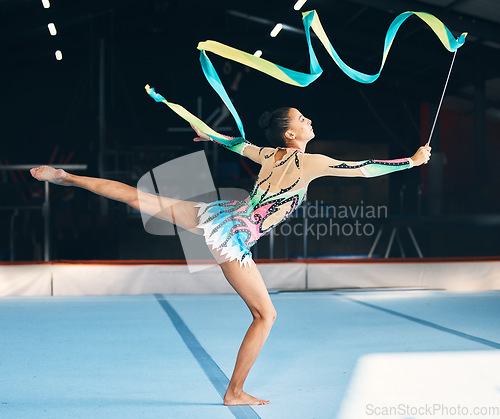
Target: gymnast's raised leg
column 182, row 213
column 246, row 281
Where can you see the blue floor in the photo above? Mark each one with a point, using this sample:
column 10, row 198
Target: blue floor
column 170, row 356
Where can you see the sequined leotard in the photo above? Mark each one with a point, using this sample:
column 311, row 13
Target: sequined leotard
column 234, row 226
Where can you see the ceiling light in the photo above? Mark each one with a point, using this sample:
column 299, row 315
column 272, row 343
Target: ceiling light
column 58, row 55
column 52, row 29
column 258, row 53
column 46, row 4
column 299, row 4
column 276, row 30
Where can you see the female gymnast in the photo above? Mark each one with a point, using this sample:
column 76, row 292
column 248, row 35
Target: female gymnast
column 232, row 227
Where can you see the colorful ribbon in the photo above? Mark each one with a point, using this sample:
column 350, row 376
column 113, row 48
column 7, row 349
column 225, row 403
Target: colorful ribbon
column 311, row 21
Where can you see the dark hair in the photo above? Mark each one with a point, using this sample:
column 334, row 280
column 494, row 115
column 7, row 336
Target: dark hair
column 275, row 124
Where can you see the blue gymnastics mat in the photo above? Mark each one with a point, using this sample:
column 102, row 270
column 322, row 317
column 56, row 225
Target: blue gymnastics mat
column 329, row 355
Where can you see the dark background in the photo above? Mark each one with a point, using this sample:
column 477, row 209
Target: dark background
column 51, row 113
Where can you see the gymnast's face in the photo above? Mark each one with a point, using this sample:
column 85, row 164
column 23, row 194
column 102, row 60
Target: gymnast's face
column 300, row 128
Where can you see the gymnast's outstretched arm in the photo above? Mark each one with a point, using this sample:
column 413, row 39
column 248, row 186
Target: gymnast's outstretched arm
column 237, row 144
column 318, row 165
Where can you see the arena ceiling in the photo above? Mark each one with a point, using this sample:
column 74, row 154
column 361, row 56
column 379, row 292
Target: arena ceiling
column 356, row 28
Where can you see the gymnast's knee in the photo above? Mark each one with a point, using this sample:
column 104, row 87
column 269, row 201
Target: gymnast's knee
column 267, row 315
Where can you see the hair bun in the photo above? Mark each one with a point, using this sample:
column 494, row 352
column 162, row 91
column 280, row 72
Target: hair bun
column 265, row 120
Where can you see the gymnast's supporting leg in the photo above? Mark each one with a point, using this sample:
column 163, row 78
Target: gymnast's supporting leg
column 248, row 283
column 185, row 214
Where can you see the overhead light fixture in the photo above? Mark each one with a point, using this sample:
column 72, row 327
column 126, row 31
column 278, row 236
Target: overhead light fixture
column 46, row 4
column 299, row 4
column 258, row 53
column 276, row 30
column 268, row 22
column 58, row 55
column 52, row 29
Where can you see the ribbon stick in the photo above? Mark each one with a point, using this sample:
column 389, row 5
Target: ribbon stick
column 441, row 101
column 311, row 21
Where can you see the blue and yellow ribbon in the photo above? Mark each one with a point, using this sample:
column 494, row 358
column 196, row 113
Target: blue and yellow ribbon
column 311, row 21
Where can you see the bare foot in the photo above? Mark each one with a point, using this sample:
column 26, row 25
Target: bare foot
column 49, row 174
column 242, row 398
